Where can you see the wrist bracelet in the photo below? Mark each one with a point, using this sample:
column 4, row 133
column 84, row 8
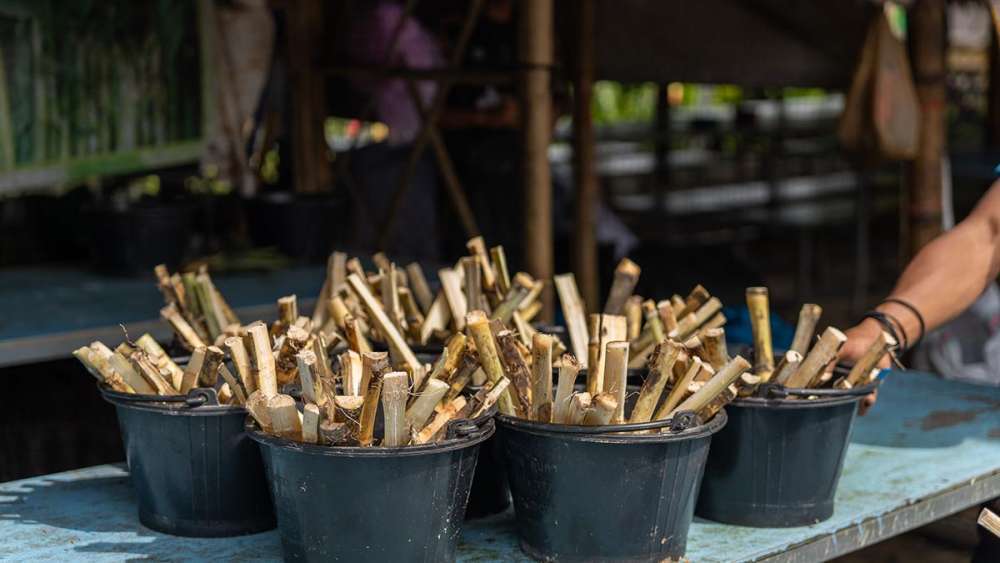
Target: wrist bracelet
column 916, row 313
column 888, row 326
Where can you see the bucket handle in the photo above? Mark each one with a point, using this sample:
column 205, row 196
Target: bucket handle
column 778, row 391
column 474, row 428
column 680, row 422
column 196, row 397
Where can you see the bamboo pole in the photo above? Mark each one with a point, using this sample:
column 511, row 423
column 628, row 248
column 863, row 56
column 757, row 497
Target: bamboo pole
column 419, row 286
column 626, row 277
column 516, row 370
column 446, row 414
column 310, row 424
column 788, row 365
column 541, row 378
column 660, row 373
column 575, row 315
column 719, row 382
column 451, row 285
column 395, row 387
column 376, row 366
column 824, row 352
column 584, row 169
column 267, row 378
column 579, row 404
column 876, row 350
column 680, row 390
column 602, row 410
column 498, row 390
column 535, row 50
column 806, row 327
column 760, row 323
column 616, row 376
column 698, row 296
column 398, row 347
column 928, row 47
column 489, row 358
column 423, row 407
column 285, row 421
column 568, row 370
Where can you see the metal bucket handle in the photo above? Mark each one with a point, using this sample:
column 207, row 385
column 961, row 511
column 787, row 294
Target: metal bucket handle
column 196, row 397
column 680, row 422
column 777, row 391
column 471, row 428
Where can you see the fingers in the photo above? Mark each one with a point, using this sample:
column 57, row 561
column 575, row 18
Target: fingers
column 867, row 403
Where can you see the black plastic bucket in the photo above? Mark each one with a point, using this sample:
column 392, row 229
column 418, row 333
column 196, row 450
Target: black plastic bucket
column 194, row 470
column 490, row 493
column 372, row 504
column 778, row 461
column 584, row 494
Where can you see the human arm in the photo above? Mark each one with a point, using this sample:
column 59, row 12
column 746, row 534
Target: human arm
column 941, row 281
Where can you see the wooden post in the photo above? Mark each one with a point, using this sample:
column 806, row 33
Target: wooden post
column 309, row 160
column 584, row 172
column 928, row 41
column 535, row 50
column 993, row 82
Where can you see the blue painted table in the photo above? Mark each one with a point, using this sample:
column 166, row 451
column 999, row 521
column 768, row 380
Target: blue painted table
column 929, row 448
column 48, row 312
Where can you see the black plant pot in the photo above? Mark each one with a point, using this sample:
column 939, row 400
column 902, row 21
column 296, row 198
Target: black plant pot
column 305, row 228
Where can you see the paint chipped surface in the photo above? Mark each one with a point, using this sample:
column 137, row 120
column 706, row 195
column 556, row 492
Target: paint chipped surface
column 944, row 419
column 893, row 467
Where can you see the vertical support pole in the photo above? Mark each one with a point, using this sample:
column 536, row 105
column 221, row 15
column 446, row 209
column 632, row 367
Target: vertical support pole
column 311, row 170
column 585, row 176
column 993, row 88
column 661, row 147
column 928, row 36
column 535, row 33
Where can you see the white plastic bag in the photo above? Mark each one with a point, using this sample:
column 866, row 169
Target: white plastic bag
column 968, row 347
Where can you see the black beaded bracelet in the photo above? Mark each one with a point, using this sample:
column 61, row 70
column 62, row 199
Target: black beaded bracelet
column 916, row 313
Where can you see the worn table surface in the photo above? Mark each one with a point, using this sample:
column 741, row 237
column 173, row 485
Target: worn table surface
column 48, row 312
column 930, row 448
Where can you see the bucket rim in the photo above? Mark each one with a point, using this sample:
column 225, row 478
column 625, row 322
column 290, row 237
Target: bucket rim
column 613, row 434
column 828, row 398
column 177, row 405
column 444, row 446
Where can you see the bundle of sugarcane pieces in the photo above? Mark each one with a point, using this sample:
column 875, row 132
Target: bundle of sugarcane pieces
column 681, row 340
column 195, row 309
column 807, row 365
column 144, row 367
column 680, row 379
column 395, row 306
column 644, row 323
column 339, row 406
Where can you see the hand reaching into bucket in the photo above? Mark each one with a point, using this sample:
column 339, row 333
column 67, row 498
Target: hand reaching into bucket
column 859, row 339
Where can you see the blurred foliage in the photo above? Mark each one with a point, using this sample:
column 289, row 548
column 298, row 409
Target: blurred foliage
column 615, row 102
column 208, row 183
column 87, row 77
